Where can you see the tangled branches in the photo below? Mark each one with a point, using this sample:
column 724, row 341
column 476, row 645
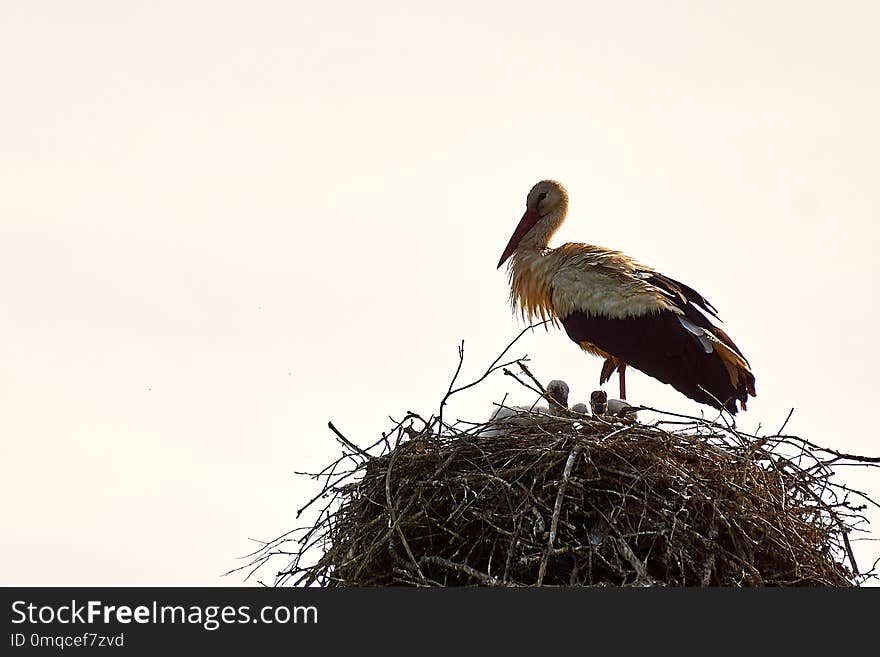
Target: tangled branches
column 570, row 499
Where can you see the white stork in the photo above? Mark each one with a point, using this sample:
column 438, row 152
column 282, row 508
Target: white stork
column 621, row 310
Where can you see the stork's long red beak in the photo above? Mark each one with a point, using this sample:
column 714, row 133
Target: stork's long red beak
column 528, row 221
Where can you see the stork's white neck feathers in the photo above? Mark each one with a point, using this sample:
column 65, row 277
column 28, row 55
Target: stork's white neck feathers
column 537, row 240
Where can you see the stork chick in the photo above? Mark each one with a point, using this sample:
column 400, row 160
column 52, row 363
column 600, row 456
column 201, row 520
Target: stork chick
column 621, row 408
column 580, row 408
column 599, row 402
column 557, row 391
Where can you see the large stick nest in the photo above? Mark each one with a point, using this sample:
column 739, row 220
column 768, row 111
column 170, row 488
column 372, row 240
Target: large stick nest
column 569, row 499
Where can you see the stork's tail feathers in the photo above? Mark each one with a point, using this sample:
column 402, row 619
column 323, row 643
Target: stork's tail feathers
column 741, row 378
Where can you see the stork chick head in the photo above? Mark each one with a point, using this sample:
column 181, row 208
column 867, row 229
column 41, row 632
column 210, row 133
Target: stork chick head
column 545, row 208
column 557, row 390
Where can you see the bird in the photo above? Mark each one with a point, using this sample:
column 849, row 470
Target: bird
column 599, row 402
column 580, row 408
column 616, row 308
column 601, row 405
column 557, row 394
column 621, row 408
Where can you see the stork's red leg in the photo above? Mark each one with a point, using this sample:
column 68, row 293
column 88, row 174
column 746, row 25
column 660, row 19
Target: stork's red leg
column 621, row 369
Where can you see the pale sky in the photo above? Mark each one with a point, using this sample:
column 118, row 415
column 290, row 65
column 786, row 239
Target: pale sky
column 223, row 224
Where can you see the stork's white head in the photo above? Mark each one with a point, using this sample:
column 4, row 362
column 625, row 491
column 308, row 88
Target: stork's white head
column 545, row 208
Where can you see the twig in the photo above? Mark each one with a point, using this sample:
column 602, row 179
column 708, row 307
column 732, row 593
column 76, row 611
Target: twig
column 394, row 522
column 346, row 441
column 787, row 418
column 493, row 366
column 528, row 373
column 633, row 560
column 557, row 508
column 460, row 567
column 525, row 385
